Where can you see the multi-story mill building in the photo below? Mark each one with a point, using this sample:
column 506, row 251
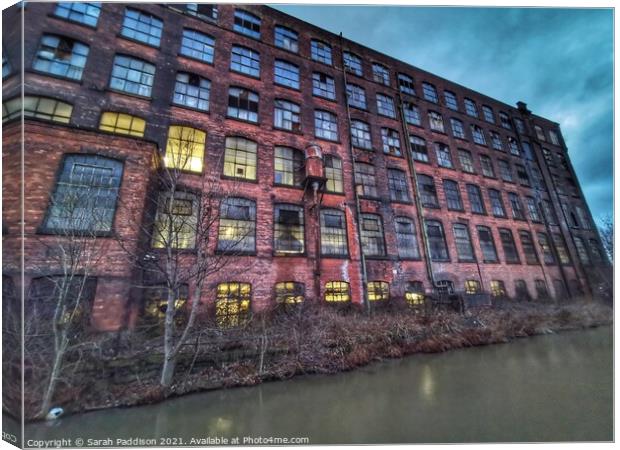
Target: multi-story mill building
column 424, row 184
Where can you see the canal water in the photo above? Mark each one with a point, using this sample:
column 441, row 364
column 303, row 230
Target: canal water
column 547, row 388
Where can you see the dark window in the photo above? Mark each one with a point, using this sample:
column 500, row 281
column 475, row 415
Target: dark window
column 520, row 126
column 356, row 96
column 192, row 90
column 366, row 181
column 391, row 141
column 532, row 209
column 380, row 74
column 323, row 86
column 247, row 24
column 325, row 125
column 540, row 134
column 286, row 115
column 545, row 246
column 475, row 199
column 487, row 112
column 242, row 104
column 560, row 248
column 289, row 292
column 549, row 212
column 429, row 91
column 508, row 244
column 470, row 108
column 176, row 221
column 237, row 231
column 385, row 106
column 531, row 257
column 487, row 166
column 504, row 170
column 142, row 27
column 352, row 63
column 450, row 100
column 132, row 75
column 505, row 120
column 201, row 10
column 457, row 128
column 453, row 195
column 288, row 229
column 61, row 56
column 397, row 182
column 333, row 233
column 245, row 60
column 514, row 146
column 582, row 253
column 541, row 289
column 406, row 238
column 373, row 243
column 360, row 135
column 286, row 38
column 496, row 141
column 521, row 291
column 478, row 135
column 462, row 240
column 524, row 179
column 497, row 205
column 428, row 193
column 288, row 166
column 86, row 13
column 321, row 52
column 419, row 149
column 596, row 252
column 466, row 161
column 487, row 244
column 286, row 74
column 444, row 159
column 444, row 287
column 405, row 84
column 333, row 173
column 515, row 205
column 197, row 45
column 436, row 241
column 412, row 114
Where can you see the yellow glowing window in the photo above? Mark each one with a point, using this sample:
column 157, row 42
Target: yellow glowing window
column 472, row 287
column 289, row 292
column 337, row 291
column 414, row 294
column 185, row 148
column 37, row 107
column 175, row 222
column 378, row 291
column 232, row 305
column 156, row 302
column 120, row 123
column 497, row 289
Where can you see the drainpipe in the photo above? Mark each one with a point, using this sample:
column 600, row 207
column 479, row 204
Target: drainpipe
column 317, row 260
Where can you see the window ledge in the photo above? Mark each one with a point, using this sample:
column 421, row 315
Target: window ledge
column 298, row 133
column 74, row 22
column 242, row 120
column 182, row 55
column 136, row 41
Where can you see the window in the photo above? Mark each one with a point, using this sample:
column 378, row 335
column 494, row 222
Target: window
column 505, row 120
column 378, row 291
column 156, row 303
column 435, row 120
column 397, row 183
column 487, row 166
column 6, row 65
column 406, row 238
column 496, row 141
column 391, row 141
column 337, row 291
column 428, row 193
column 487, row 245
column 240, row 158
column 242, row 104
column 504, row 170
column 405, row 84
column 547, row 252
column 553, row 136
column 532, row 209
column 430, row 93
column 560, row 248
column 286, row 115
column 84, row 199
column 528, row 247
column 559, row 289
column 289, row 292
column 487, row 113
column 321, row 52
column 540, row 134
column 569, row 215
column 583, row 217
column 85, row 13
column 288, row 166
column 288, row 229
column 453, row 195
column 333, row 233
column 470, row 108
column 352, row 63
column 120, row 123
column 521, row 291
column 192, row 91
column 457, row 128
column 185, row 148
column 333, row 173
column 549, row 212
column 37, row 107
column 514, row 146
column 497, row 205
column 520, row 126
column 472, row 287
column 373, row 243
column 237, row 231
column 444, row 159
column 508, row 244
column 201, row 10
column 360, row 135
column 197, row 45
column 132, row 75
column 286, row 38
column 462, row 241
column 524, row 179
column 142, row 27
column 466, row 161
column 325, row 125
column 548, row 157
column 595, row 250
column 537, row 180
column 478, row 135
column 582, row 253
column 356, row 96
column 366, row 181
column 475, row 199
column 450, row 101
column 541, row 289
column 412, row 114
column 498, row 290
column 232, row 304
column 380, row 74
column 414, row 294
column 245, row 61
column 286, row 74
column 419, row 149
column 385, row 106
column 61, row 56
column 246, row 23
column 444, row 287
column 515, row 205
column 323, row 86
column 176, row 221
column 436, row 241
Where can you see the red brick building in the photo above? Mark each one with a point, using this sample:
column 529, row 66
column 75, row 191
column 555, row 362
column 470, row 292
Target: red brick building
column 425, row 185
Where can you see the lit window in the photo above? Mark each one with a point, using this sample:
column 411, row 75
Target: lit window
column 470, row 108
column 337, row 291
column 436, row 241
column 478, row 135
column 132, row 75
column 496, row 141
column 85, row 196
column 242, row 104
column 487, row 244
column 457, row 128
column 504, row 170
column 505, row 121
column 475, row 199
column 450, row 100
column 240, row 158
column 365, row 178
column 487, row 113
column 515, row 205
column 289, row 292
column 429, row 91
column 405, row 84
column 378, row 291
column 391, row 141
column 508, row 244
column 419, row 149
column 356, row 96
column 245, row 60
column 286, row 115
column 428, row 193
column 286, row 38
column 487, row 166
column 286, row 74
column 288, row 166
column 185, row 148
column 385, row 106
column 192, row 91
column 325, row 125
column 373, row 243
column 545, row 246
column 352, row 63
column 176, row 221
column 333, row 233
column 498, row 290
column 472, row 287
column 531, row 257
column 380, row 74
column 360, row 135
column 412, row 114
column 333, row 173
column 462, row 240
column 435, row 121
column 61, row 56
column 466, row 161
column 232, row 304
column 37, row 107
column 497, row 205
column 323, row 86
column 237, row 231
column 85, row 13
column 397, row 184
column 156, row 303
column 321, row 52
column 246, row 23
column 198, row 46
column 406, row 238
column 142, row 27
column 444, row 159
column 122, row 124
column 288, row 229
column 453, row 195
column 414, row 294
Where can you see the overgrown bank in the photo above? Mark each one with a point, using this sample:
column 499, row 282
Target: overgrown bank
column 124, row 369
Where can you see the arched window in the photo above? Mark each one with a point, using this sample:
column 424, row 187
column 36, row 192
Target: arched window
column 185, row 148
column 436, row 241
column 240, row 158
column 337, row 291
column 414, row 294
column 289, row 292
column 237, row 231
column 288, row 166
column 232, row 304
column 333, row 233
column 120, row 123
column 378, row 291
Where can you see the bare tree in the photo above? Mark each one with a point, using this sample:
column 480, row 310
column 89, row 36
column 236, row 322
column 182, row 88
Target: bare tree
column 606, row 231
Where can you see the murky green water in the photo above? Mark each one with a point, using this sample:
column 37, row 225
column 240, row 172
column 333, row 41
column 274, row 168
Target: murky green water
column 548, row 388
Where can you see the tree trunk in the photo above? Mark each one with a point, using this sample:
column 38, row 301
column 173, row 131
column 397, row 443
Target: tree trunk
column 167, row 371
column 51, row 385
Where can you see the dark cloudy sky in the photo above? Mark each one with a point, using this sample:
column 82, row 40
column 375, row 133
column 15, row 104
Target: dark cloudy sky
column 558, row 61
